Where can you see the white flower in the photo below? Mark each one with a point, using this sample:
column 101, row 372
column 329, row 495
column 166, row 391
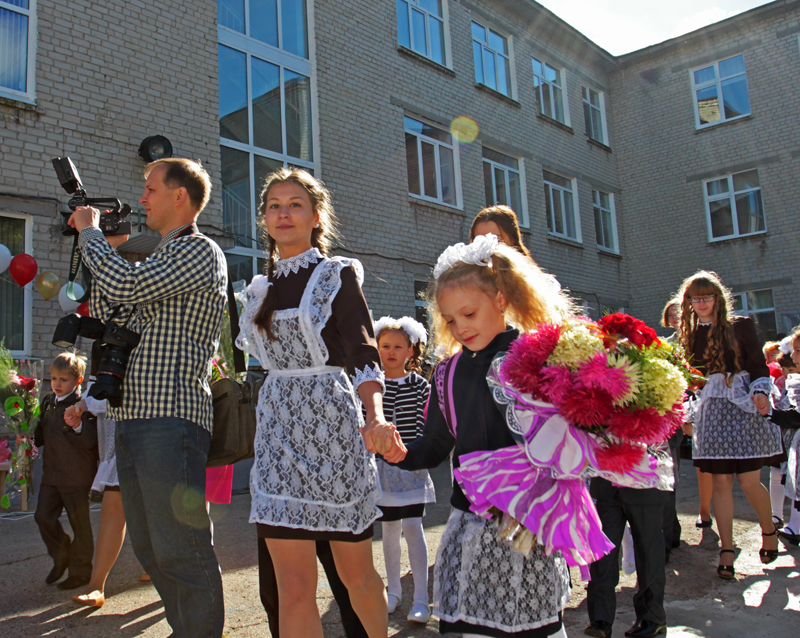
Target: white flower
column 479, row 252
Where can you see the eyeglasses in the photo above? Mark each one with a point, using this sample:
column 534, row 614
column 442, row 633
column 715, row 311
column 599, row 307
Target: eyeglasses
column 706, row 299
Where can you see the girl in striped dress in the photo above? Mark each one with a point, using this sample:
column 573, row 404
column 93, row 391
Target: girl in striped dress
column 400, row 344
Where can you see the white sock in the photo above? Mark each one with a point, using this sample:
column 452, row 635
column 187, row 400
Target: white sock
column 776, row 491
column 794, row 522
column 628, row 556
column 417, row 556
column 391, row 556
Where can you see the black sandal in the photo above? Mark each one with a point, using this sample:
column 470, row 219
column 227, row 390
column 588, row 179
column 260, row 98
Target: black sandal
column 726, row 572
column 768, row 555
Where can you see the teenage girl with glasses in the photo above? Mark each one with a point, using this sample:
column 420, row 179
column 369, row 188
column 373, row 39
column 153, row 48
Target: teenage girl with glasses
column 730, row 437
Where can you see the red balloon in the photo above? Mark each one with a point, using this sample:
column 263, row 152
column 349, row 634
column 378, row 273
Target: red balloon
column 83, row 309
column 23, row 269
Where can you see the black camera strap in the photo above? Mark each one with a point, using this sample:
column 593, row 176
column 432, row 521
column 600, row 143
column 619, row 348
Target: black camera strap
column 75, row 264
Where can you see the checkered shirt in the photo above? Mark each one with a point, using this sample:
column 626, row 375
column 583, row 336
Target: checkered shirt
column 179, row 293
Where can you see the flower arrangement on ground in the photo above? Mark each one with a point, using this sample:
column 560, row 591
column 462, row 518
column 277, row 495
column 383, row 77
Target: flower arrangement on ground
column 582, row 399
column 20, row 402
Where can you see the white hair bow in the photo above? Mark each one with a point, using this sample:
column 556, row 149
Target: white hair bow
column 479, row 252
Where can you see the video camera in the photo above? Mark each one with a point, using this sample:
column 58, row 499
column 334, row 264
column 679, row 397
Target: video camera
column 110, row 222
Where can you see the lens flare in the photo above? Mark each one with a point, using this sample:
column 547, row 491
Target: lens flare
column 189, row 507
column 464, row 129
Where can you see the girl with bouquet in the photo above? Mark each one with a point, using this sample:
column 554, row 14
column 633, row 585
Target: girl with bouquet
column 482, row 296
column 730, row 437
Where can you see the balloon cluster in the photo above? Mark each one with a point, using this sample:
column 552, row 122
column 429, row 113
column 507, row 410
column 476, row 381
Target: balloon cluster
column 23, row 269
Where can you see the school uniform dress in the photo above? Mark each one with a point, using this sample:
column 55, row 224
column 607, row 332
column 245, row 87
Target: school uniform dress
column 730, row 436
column 404, row 493
column 786, row 416
column 312, row 478
column 106, row 476
column 481, row 585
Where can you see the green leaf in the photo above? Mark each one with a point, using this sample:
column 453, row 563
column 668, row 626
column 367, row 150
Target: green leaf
column 13, row 405
column 23, row 426
column 36, row 411
column 21, row 481
column 5, row 502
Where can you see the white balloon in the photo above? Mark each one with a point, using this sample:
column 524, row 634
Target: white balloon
column 5, row 258
column 67, row 305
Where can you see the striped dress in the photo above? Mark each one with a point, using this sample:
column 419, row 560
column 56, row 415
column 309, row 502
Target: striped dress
column 404, row 493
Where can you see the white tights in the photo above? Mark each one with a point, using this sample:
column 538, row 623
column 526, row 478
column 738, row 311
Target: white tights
column 411, row 528
column 776, row 491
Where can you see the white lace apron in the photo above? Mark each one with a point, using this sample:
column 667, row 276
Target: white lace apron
column 311, row 468
column 791, row 401
column 727, row 424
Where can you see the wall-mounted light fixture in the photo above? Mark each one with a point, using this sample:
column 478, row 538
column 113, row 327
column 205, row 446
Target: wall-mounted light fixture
column 154, row 148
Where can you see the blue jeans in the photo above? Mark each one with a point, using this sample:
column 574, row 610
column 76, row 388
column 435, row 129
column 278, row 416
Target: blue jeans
column 162, row 477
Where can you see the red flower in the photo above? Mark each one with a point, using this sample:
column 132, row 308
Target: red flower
column 643, row 426
column 627, row 327
column 555, row 382
column 527, row 355
column 586, row 407
column 597, row 374
column 620, row 457
column 25, row 383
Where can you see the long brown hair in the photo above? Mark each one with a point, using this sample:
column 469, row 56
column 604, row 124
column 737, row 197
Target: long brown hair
column 506, row 220
column 721, row 334
column 322, row 237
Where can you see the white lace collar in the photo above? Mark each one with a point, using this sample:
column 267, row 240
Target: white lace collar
column 293, row 264
column 705, row 323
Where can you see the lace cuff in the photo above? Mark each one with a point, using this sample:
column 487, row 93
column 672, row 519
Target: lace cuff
column 764, row 385
column 369, row 373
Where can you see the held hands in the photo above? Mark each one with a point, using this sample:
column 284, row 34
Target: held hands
column 762, row 403
column 72, row 415
column 384, row 439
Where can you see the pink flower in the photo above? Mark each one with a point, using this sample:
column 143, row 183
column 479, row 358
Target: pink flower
column 527, row 355
column 554, row 383
column 599, row 375
column 620, row 457
column 644, row 426
column 5, row 453
column 586, row 407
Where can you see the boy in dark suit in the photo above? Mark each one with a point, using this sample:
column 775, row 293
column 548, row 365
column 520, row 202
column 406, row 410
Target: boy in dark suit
column 70, row 463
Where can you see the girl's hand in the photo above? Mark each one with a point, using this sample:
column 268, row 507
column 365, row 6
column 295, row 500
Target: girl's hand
column 72, row 415
column 762, row 403
column 398, row 451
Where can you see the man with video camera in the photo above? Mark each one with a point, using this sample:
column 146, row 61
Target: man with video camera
column 175, row 302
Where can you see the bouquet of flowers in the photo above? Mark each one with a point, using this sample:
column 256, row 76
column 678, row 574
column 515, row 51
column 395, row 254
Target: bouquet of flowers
column 21, row 409
column 583, row 399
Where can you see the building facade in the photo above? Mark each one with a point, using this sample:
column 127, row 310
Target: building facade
column 417, row 114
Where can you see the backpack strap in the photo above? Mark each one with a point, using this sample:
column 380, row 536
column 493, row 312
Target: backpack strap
column 443, row 377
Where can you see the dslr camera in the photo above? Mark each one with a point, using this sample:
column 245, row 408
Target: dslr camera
column 110, row 222
column 116, row 345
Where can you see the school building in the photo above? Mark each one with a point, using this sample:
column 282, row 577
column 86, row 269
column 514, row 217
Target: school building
column 628, row 173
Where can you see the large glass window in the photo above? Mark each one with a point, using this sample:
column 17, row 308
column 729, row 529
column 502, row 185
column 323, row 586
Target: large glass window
column 720, row 92
column 549, row 83
column 559, row 201
column 492, row 55
column 594, row 114
column 431, row 161
column 759, row 305
column 733, row 206
column 15, row 301
column 420, row 27
column 17, row 48
column 605, row 221
column 502, row 182
column 265, row 108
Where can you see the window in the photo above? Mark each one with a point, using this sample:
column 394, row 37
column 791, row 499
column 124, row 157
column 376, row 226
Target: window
column 562, row 219
column 759, row 305
column 265, row 109
column 492, row 56
column 420, row 27
column 720, row 92
column 594, row 114
column 431, row 161
column 550, row 87
column 605, row 221
column 17, row 49
column 15, row 301
column 502, row 181
column 733, row 206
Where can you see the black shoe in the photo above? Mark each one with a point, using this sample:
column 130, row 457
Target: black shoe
column 73, row 582
column 701, row 524
column 56, row 573
column 646, row 629
column 789, row 537
column 599, row 629
column 726, row 572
